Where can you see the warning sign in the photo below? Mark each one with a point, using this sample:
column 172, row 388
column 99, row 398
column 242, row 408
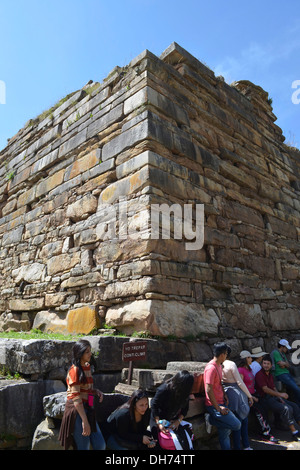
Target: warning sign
column 134, row 351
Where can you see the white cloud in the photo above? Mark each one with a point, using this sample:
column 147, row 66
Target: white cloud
column 258, row 58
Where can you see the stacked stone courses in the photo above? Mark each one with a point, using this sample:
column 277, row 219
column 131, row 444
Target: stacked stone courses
column 160, row 130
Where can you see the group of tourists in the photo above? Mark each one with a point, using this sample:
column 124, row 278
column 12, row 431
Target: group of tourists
column 233, row 391
column 133, row 425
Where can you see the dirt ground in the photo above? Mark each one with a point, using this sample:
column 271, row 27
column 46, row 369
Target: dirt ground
column 286, row 442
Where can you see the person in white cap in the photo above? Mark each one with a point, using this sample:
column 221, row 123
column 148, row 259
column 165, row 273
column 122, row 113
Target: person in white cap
column 282, row 369
column 257, row 355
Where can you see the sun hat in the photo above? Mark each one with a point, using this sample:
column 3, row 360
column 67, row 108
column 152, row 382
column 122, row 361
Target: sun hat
column 257, row 352
column 244, row 354
column 284, row 342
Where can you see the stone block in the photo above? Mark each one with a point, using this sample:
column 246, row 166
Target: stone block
column 82, row 281
column 27, row 197
column 50, row 183
column 46, row 437
column 13, row 237
column 54, row 300
column 246, row 317
column 163, row 318
column 129, row 185
column 82, row 320
column 148, row 96
column 125, row 140
column 50, row 322
column 103, row 122
column 16, row 419
column 44, row 163
column 107, row 351
column 284, row 319
column 235, row 211
column 63, row 262
column 83, row 164
column 35, row 356
column 82, row 208
column 9, row 207
column 73, row 144
column 29, row 273
column 26, row 304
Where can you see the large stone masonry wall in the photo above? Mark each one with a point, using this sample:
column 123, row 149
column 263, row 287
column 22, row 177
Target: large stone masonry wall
column 161, row 130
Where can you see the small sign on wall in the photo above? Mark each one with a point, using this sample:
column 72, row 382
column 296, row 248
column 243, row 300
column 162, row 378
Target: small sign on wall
column 133, row 351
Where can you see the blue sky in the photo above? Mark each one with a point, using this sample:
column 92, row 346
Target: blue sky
column 51, row 48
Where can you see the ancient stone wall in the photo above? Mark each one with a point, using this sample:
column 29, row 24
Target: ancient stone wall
column 78, row 185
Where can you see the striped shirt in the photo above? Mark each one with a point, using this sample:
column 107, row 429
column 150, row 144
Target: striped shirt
column 78, row 392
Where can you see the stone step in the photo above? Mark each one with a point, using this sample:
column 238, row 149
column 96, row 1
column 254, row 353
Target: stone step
column 150, row 379
column 125, row 389
column 190, row 366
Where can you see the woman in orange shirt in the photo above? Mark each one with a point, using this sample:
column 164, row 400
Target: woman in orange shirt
column 79, row 427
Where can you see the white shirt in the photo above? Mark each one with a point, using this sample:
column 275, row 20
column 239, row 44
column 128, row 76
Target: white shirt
column 255, row 367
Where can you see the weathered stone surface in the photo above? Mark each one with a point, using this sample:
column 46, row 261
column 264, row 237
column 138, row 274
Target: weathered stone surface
column 50, row 183
column 17, row 419
column 82, row 208
column 31, row 273
column 26, row 304
column 159, row 318
column 46, row 437
column 50, row 322
column 83, row 320
column 159, row 131
column 284, row 319
column 54, row 405
column 34, row 356
column 62, row 262
column 247, row 317
column 13, row 237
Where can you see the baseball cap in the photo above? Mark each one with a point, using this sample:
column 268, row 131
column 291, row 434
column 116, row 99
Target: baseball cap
column 284, row 342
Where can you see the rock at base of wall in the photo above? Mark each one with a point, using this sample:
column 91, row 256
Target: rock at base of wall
column 159, row 318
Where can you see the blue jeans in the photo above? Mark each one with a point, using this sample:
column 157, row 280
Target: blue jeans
column 289, row 381
column 95, row 439
column 241, row 434
column 225, row 424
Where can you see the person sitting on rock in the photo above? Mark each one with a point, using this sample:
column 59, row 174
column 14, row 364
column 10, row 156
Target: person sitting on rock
column 257, row 355
column 256, row 409
column 274, row 400
column 282, row 369
column 127, row 425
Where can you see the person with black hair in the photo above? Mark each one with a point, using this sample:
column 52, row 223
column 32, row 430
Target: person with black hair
column 274, row 400
column 256, row 409
column 79, row 427
column 218, row 414
column 127, row 425
column 169, row 406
